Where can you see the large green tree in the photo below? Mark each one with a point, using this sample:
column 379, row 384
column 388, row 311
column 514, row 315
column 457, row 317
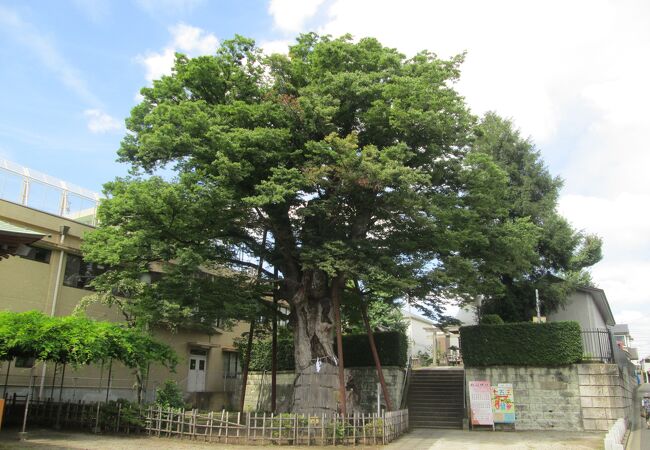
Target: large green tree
column 562, row 254
column 354, row 158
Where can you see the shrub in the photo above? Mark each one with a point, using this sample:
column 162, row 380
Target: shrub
column 425, row 359
column 521, row 344
column 492, row 319
column 169, row 395
column 392, row 348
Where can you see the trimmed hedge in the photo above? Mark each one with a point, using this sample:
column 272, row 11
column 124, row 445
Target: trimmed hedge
column 391, row 346
column 521, row 344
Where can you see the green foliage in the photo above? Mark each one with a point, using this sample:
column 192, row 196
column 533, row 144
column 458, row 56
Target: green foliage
column 424, row 358
column 261, row 352
column 355, row 157
column 77, row 340
column 169, row 395
column 521, row 344
column 130, row 415
column 491, row 319
column 392, row 348
column 382, row 317
column 560, row 254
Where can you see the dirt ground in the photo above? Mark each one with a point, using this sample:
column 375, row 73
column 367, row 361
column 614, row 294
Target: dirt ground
column 419, row 439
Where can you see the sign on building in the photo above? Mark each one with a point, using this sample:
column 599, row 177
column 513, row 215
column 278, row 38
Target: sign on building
column 503, row 403
column 480, row 399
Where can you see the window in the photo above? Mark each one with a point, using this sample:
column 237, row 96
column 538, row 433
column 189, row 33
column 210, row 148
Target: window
column 38, row 254
column 79, row 273
column 231, row 366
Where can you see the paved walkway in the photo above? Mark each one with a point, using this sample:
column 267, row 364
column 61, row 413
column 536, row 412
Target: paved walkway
column 420, row 439
column 640, row 434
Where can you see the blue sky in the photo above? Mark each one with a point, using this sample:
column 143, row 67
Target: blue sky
column 572, row 75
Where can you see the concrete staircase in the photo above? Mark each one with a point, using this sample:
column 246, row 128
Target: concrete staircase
column 435, row 398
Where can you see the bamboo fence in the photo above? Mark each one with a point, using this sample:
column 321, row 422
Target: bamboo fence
column 283, row 429
column 95, row 416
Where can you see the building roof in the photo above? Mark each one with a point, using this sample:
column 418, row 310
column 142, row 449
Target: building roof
column 601, row 303
column 621, row 328
column 412, row 315
column 13, row 236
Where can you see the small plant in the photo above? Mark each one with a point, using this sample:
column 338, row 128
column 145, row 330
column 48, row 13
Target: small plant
column 169, row 395
column 492, row 319
column 425, row 358
column 375, row 426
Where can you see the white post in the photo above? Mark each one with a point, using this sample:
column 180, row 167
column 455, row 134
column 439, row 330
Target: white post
column 378, row 399
column 539, row 314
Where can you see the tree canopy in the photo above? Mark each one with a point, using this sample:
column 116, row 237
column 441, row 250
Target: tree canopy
column 562, row 254
column 357, row 161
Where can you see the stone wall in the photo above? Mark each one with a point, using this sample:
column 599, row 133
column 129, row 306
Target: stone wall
column 605, row 395
column 545, row 398
column 577, row 397
column 361, row 389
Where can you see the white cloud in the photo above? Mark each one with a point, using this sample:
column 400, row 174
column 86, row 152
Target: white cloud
column 291, row 15
column 100, row 122
column 186, row 39
column 46, row 52
column 278, row 46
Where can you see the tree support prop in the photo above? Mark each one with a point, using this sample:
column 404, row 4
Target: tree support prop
column 375, row 355
column 337, row 285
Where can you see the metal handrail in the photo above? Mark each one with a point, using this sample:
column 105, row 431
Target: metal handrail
column 407, row 382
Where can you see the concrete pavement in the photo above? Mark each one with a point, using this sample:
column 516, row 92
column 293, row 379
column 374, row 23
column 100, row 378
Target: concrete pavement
column 640, row 435
column 430, row 439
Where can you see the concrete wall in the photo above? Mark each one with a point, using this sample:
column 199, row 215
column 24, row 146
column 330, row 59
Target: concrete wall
column 361, row 389
column 578, row 397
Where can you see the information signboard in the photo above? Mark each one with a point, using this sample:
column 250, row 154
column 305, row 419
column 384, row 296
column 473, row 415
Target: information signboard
column 480, row 399
column 503, row 403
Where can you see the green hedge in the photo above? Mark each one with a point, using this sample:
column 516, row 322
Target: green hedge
column 521, row 344
column 391, row 346
column 261, row 354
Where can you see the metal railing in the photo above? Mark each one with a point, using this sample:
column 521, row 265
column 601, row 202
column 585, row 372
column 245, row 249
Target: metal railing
column 37, row 190
column 597, row 345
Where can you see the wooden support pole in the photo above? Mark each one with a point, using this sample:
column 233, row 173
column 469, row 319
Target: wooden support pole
column 56, row 366
column 274, row 345
column 337, row 286
column 108, row 383
column 251, row 331
column 375, row 355
column 4, row 394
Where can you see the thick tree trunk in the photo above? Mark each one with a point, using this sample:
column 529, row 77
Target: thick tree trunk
column 316, row 385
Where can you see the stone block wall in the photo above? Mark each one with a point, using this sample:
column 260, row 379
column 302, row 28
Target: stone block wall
column 546, row 398
column 577, row 397
column 361, row 389
column 605, row 395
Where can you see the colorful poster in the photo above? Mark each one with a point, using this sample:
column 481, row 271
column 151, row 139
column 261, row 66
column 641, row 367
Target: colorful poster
column 503, row 403
column 480, row 400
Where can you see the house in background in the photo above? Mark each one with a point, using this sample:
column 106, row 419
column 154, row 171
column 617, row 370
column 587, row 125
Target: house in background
column 418, row 333
column 588, row 306
column 42, row 225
